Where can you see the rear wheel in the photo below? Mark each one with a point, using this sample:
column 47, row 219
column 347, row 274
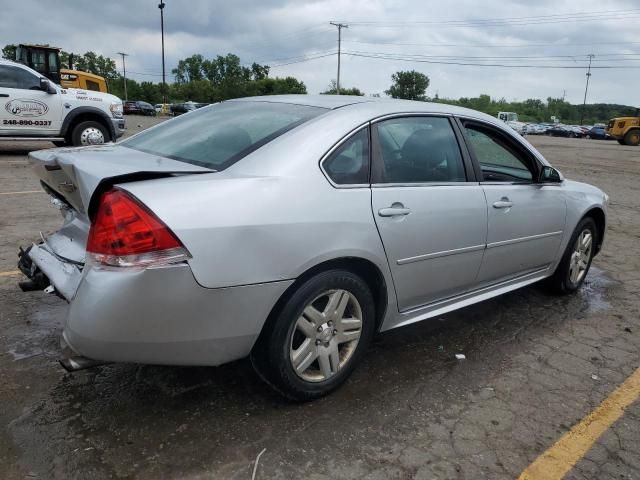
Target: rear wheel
column 89, row 133
column 315, row 341
column 576, row 261
column 632, row 138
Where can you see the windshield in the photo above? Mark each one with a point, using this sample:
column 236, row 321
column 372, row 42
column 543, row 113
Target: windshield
column 216, row 137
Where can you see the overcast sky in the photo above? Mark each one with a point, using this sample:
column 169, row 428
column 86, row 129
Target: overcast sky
column 276, row 32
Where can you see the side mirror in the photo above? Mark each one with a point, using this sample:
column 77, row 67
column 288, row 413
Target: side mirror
column 550, row 175
column 46, row 86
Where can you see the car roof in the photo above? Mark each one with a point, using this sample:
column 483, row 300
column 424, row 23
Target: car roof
column 372, row 106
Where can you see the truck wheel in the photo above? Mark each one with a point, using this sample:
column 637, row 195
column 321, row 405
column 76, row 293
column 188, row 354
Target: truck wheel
column 632, row 138
column 89, row 133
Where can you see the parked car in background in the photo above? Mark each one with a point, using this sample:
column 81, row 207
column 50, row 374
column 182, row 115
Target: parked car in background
column 137, row 107
column 180, row 108
column 560, row 131
column 214, row 236
column 576, row 131
column 598, row 133
column 535, row 129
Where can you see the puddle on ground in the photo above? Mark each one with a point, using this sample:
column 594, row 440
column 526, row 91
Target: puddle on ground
column 594, row 289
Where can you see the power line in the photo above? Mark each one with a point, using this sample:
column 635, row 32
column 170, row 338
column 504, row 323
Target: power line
column 530, row 20
column 473, row 64
column 462, row 45
column 304, row 60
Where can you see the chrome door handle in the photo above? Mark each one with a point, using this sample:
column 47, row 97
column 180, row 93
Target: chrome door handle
column 504, row 202
column 393, row 211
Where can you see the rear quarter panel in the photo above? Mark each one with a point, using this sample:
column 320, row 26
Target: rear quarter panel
column 250, row 230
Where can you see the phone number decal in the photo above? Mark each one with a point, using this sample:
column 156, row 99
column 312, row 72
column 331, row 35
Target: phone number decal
column 35, row 123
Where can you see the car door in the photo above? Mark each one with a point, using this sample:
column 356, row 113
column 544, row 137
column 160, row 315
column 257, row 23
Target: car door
column 430, row 212
column 24, row 108
column 526, row 219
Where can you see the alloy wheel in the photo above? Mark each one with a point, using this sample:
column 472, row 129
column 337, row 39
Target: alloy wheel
column 581, row 256
column 325, row 335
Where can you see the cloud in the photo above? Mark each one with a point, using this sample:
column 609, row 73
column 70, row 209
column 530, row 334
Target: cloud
column 281, row 31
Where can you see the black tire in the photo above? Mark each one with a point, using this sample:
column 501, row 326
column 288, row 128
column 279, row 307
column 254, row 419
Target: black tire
column 560, row 282
column 271, row 355
column 632, row 138
column 76, row 134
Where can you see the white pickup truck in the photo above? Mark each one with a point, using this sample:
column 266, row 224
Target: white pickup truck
column 34, row 108
column 511, row 119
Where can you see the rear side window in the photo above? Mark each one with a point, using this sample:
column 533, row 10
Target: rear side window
column 218, row 136
column 418, row 150
column 94, row 86
column 349, row 163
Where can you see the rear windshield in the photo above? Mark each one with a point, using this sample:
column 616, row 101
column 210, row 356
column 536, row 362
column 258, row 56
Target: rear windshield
column 216, row 137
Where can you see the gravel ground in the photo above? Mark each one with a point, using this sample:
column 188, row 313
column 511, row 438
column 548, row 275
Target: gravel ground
column 536, row 364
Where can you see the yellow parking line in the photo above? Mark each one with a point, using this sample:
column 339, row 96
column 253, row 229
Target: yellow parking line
column 21, row 193
column 10, row 273
column 556, row 462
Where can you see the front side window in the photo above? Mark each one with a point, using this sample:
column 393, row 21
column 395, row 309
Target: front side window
column 218, row 136
column 498, row 160
column 418, row 150
column 14, row 77
column 349, row 163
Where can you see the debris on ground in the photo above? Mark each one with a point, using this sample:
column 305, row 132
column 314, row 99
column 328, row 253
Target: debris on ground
column 255, row 465
column 460, row 356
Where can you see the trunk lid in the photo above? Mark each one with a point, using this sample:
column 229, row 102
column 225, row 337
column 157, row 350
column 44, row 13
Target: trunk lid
column 72, row 177
column 75, row 174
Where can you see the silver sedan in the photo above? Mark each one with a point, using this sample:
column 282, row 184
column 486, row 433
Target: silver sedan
column 291, row 229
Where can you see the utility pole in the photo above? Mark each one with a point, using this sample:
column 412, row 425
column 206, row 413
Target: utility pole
column 584, row 102
column 164, row 83
column 564, row 94
column 340, row 27
column 124, row 71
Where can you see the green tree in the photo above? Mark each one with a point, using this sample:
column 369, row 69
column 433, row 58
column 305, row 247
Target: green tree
column 9, row 52
column 189, row 69
column 409, row 85
column 333, row 90
column 278, row 86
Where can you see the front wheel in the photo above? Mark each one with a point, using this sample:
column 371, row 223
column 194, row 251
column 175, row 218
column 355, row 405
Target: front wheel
column 89, row 133
column 576, row 261
column 314, row 343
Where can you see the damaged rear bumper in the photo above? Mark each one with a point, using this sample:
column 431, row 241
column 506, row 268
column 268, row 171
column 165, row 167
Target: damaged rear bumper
column 45, row 268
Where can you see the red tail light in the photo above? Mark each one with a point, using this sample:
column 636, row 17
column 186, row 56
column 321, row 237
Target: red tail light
column 125, row 233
